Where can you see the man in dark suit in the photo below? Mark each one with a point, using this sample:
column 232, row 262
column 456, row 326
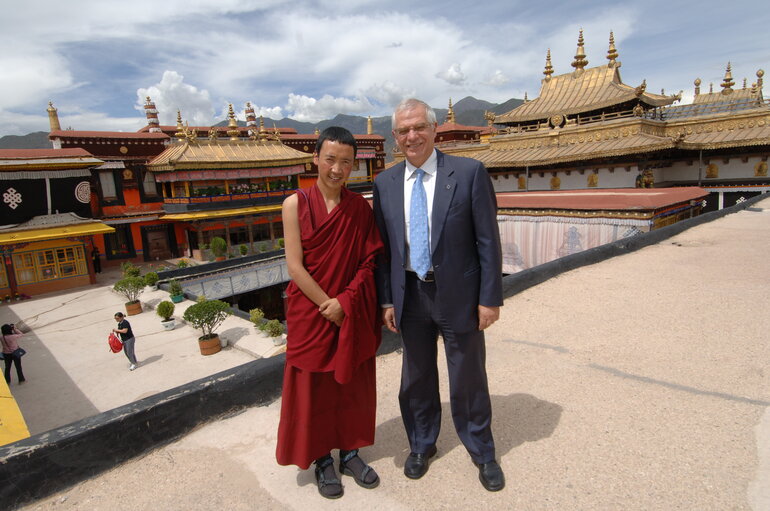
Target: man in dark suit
column 441, row 273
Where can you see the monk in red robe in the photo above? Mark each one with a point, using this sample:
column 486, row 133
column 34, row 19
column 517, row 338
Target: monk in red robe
column 334, row 326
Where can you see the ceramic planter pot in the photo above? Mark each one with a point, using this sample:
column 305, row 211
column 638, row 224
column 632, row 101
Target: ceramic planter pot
column 168, row 325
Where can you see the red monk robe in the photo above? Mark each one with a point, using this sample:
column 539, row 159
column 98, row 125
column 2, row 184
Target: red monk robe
column 329, row 384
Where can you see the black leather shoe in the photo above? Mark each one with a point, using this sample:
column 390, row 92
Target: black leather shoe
column 491, row 476
column 417, row 463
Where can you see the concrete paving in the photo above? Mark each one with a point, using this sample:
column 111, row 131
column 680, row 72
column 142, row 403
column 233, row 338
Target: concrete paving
column 642, row 382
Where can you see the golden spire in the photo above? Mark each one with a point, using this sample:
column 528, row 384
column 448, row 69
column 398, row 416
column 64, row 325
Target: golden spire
column 180, row 131
column 317, row 132
column 612, row 53
column 697, row 86
column 369, row 126
column 727, row 84
column 760, row 74
column 580, row 61
column 548, row 67
column 450, row 115
column 262, row 131
column 232, row 124
column 53, row 117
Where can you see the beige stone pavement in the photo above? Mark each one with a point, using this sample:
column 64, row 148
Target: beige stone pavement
column 642, row 382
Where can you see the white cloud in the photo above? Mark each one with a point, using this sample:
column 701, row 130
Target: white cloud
column 172, row 94
column 307, row 109
column 497, row 79
column 454, row 75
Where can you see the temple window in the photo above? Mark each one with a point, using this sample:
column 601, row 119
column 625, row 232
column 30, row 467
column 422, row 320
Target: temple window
column 107, row 180
column 148, row 184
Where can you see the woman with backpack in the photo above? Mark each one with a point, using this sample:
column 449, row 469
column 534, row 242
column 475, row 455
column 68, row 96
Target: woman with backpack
column 11, row 351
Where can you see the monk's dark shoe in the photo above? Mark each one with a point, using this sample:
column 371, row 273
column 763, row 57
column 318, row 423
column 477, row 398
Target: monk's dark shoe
column 417, row 463
column 491, row 476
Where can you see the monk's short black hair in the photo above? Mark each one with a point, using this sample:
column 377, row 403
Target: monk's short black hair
column 336, row 134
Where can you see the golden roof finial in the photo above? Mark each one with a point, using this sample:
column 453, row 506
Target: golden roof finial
column 711, row 87
column 232, row 123
column 727, row 84
column 525, row 97
column 760, row 74
column 317, row 132
column 612, row 53
column 697, row 86
column 548, row 67
column 580, row 61
column 450, row 115
column 262, row 131
column 53, row 117
column 490, row 117
column 369, row 126
column 180, row 131
column 276, row 133
column 213, row 133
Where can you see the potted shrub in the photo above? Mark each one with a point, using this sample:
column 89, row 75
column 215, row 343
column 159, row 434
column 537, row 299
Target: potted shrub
column 175, row 291
column 130, row 288
column 257, row 316
column 244, row 250
column 219, row 248
column 274, row 329
column 151, row 279
column 166, row 311
column 206, row 316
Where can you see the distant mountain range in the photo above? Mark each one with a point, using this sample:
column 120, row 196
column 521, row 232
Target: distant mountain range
column 468, row 111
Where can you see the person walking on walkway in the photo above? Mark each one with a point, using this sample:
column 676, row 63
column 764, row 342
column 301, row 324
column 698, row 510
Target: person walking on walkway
column 127, row 336
column 11, row 351
column 442, row 272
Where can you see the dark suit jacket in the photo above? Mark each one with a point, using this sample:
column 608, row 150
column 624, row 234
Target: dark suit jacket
column 465, row 240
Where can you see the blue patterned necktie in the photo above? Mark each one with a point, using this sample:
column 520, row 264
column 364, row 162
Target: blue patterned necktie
column 419, row 246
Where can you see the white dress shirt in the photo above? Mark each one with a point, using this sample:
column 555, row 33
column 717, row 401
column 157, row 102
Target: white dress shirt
column 429, row 183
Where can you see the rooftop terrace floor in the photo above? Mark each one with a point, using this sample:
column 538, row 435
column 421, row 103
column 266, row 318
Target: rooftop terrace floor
column 641, row 382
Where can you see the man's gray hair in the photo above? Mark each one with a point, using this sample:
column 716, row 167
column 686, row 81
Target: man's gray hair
column 409, row 104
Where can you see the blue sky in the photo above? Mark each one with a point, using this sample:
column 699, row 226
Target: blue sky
column 310, row 60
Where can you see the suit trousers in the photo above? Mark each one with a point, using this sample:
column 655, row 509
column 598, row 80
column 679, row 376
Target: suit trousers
column 419, row 396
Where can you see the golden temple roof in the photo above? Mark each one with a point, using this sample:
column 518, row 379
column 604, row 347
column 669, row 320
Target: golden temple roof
column 542, row 151
column 208, row 154
column 582, row 90
column 568, row 94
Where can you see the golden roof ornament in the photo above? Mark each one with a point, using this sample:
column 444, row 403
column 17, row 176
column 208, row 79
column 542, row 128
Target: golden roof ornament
column 213, row 133
column 525, row 97
column 744, row 82
column 369, row 126
column 711, row 87
column 53, row 117
column 548, row 67
column 490, row 117
column 612, row 53
column 727, row 84
column 232, row 124
column 640, row 89
column 580, row 61
column 317, row 132
column 450, row 115
column 180, row 131
column 760, row 74
column 276, row 133
column 697, row 86
column 262, row 136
